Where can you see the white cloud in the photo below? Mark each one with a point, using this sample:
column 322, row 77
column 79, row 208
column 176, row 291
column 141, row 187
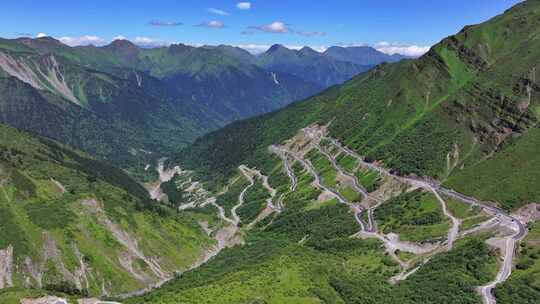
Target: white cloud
column 277, row 27
column 243, row 5
column 254, row 48
column 41, row 35
column 394, row 48
column 352, row 44
column 218, row 11
column 120, row 37
column 149, row 42
column 216, row 24
column 402, row 49
column 320, row 48
column 165, row 23
column 82, row 40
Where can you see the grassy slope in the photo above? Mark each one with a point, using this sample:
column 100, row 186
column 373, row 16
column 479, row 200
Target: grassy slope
column 33, row 206
column 340, row 271
column 415, row 216
column 306, row 255
column 254, row 202
column 509, row 177
column 326, row 266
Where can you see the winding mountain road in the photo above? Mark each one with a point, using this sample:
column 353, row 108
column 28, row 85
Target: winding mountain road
column 504, row 273
column 244, row 170
column 371, row 225
column 369, row 228
column 435, row 187
column 454, row 231
column 391, row 241
column 356, row 185
column 311, row 169
column 290, row 173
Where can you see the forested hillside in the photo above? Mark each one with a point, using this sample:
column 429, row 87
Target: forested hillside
column 71, row 224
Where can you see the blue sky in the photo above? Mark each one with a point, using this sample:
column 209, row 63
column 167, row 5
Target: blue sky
column 405, row 26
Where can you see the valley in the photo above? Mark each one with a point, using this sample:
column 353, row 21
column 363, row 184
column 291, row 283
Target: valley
column 508, row 229
column 206, row 174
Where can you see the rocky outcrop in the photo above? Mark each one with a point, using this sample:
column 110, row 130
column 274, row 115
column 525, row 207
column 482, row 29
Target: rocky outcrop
column 132, row 251
column 45, row 300
column 6, row 267
column 44, row 74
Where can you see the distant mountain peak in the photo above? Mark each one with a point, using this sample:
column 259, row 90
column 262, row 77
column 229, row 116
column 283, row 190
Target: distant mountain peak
column 277, row 47
column 40, row 41
column 122, row 44
column 48, row 39
column 181, row 48
column 124, row 48
column 306, row 50
column 363, row 54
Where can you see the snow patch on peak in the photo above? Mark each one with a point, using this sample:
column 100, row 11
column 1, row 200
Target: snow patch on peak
column 274, row 77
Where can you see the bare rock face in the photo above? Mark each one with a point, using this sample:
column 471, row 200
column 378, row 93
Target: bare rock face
column 44, row 300
column 6, row 267
column 42, row 75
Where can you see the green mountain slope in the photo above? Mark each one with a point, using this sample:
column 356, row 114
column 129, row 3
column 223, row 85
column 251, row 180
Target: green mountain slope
column 464, row 100
column 70, row 223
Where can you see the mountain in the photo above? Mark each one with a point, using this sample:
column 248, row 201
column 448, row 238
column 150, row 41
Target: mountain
column 410, row 183
column 363, row 55
column 105, row 114
column 413, row 182
column 120, row 100
column 469, row 97
column 233, row 89
column 236, row 52
column 309, row 65
column 72, row 224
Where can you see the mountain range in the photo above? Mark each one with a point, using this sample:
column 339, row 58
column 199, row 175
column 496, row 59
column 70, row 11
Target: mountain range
column 313, row 66
column 120, row 100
